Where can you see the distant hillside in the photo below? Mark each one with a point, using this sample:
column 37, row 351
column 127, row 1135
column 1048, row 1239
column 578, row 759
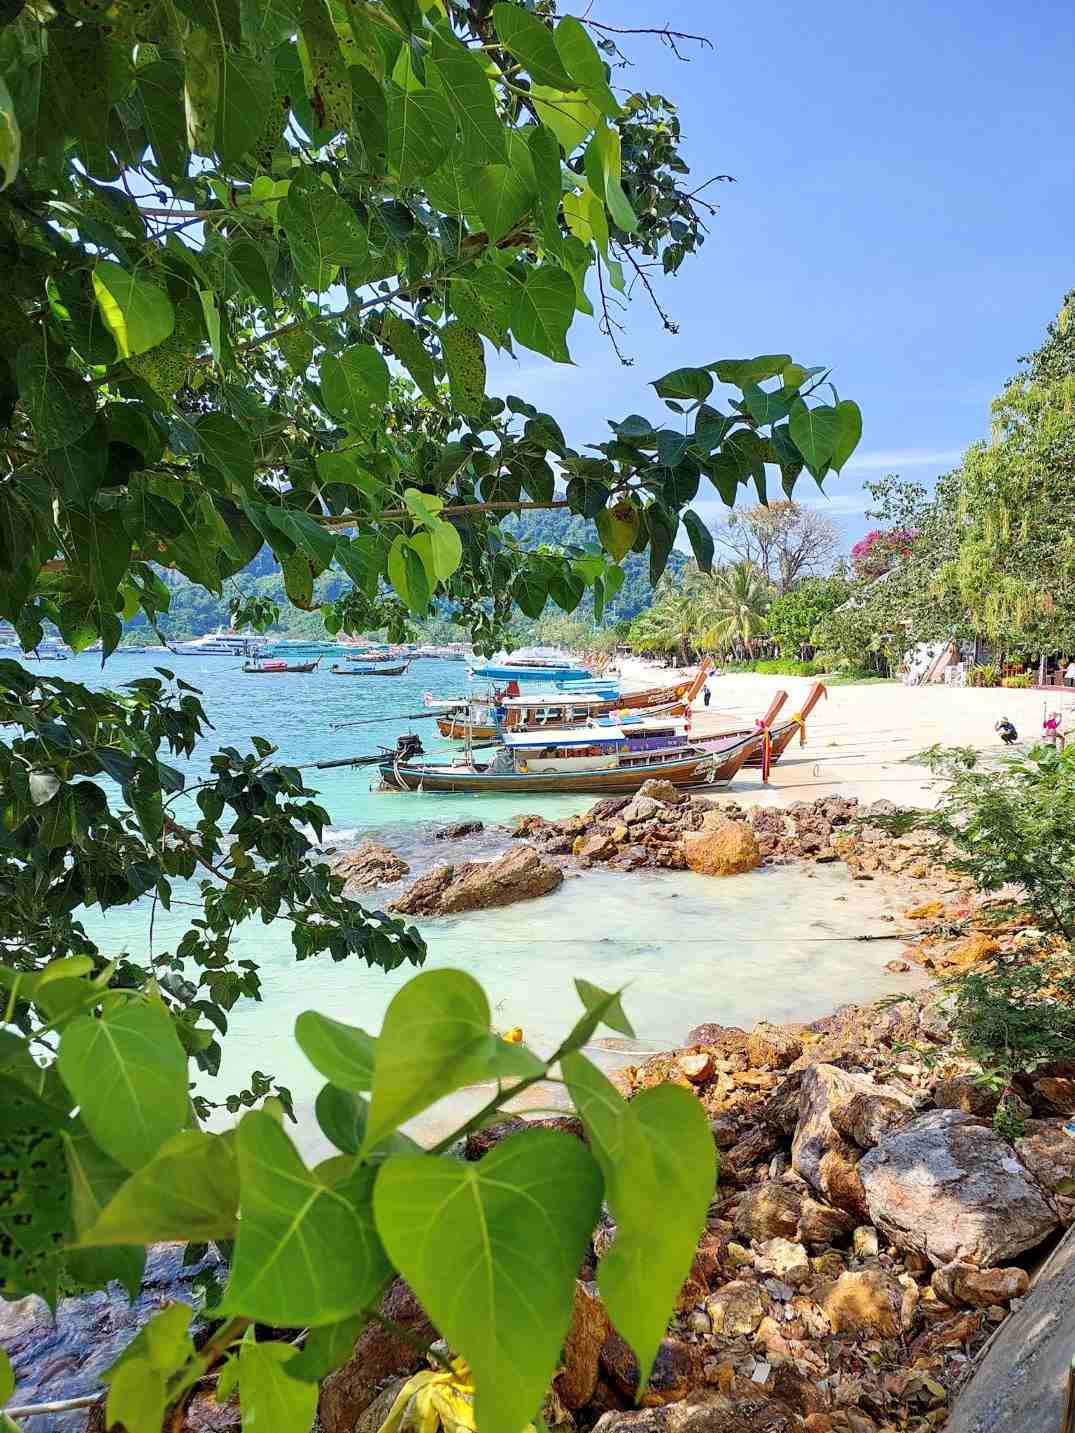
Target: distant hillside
column 195, row 611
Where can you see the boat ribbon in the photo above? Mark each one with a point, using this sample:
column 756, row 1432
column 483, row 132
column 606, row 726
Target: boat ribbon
column 766, row 753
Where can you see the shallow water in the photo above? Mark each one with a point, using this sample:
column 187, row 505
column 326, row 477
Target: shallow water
column 777, row 944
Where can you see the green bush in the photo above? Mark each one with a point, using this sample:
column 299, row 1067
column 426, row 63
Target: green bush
column 787, row 667
column 1021, row 679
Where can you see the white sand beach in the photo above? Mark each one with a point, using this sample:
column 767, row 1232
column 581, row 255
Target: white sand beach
column 861, row 739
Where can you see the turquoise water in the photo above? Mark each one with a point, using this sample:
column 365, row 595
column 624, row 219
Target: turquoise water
column 777, row 944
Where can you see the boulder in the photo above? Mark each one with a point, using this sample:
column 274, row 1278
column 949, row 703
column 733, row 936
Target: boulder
column 1047, row 1149
column 458, row 829
column 773, row 1047
column 367, row 865
column 378, row 1356
column 642, row 808
column 590, row 1327
column 727, row 1041
column 864, row 1303
column 819, row 1150
column 868, row 1116
column 698, row 1068
column 737, row 1308
column 519, row 875
column 1053, row 1096
column 984, row 1288
column 964, row 1092
column 781, row 1109
column 597, row 847
column 657, row 790
column 947, row 1187
column 728, row 849
column 676, row 1369
column 608, row 808
column 769, row 1211
column 821, row 1226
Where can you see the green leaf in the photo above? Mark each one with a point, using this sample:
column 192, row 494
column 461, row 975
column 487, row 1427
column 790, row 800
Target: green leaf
column 491, row 1251
column 603, row 1007
column 306, row 1251
column 60, row 405
column 530, row 590
column 246, row 94
column 128, row 1073
column 307, row 534
column 690, row 383
column 815, row 432
column 447, row 550
column 744, row 371
column 566, row 588
column 420, row 131
column 602, row 161
column 189, row 1190
column 227, row 446
column 701, row 540
column 571, row 117
column 542, row 310
column 10, row 149
column 532, row 43
column 436, row 1038
column 502, row 196
column 344, row 1054
column 408, row 575
column 298, row 580
column 655, row 1152
column 765, row 407
column 7, row 1377
column 618, row 527
column 662, row 528
column 342, row 1117
column 327, row 1348
column 406, row 343
column 161, row 87
column 270, row 1397
column 324, row 233
column 848, row 433
column 355, row 385
column 248, row 261
column 464, row 358
column 470, row 94
column 584, row 64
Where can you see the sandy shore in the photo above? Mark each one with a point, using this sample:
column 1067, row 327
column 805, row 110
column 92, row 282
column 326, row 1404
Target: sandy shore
column 862, row 740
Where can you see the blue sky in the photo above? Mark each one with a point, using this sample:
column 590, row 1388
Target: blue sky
column 904, row 211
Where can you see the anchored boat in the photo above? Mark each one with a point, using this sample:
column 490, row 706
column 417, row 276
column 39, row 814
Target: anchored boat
column 276, row 665
column 369, row 671
column 605, row 757
column 779, row 736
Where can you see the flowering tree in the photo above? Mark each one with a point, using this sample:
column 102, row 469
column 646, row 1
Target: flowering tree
column 879, row 550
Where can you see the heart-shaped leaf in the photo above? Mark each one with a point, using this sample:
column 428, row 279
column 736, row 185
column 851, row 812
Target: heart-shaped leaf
column 491, row 1250
column 342, row 1053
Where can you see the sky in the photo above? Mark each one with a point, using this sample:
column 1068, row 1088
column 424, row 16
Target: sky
column 904, row 211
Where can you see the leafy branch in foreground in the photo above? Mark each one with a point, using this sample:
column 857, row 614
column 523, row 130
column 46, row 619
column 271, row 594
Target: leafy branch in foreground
column 110, row 1131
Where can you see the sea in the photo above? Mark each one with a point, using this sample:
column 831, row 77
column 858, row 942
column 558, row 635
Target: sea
column 779, row 944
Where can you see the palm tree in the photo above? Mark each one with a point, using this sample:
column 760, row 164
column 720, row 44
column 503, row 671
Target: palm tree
column 730, row 607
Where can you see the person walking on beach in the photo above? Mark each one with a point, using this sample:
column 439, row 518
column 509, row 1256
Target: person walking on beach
column 707, row 695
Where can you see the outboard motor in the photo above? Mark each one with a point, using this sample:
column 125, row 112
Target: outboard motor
column 408, row 746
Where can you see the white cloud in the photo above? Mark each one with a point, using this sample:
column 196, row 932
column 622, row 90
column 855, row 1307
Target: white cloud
column 894, row 460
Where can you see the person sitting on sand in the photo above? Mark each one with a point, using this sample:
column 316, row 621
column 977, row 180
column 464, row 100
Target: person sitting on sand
column 1008, row 733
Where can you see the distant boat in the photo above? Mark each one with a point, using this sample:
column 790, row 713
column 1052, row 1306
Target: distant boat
column 531, row 664
column 260, row 667
column 301, row 647
column 220, row 643
column 605, row 758
column 369, row 671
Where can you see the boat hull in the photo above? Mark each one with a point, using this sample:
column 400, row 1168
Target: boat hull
column 456, row 729
column 369, row 671
column 699, row 769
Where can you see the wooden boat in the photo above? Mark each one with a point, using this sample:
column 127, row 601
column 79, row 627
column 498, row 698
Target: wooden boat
column 782, row 734
column 479, row 721
column 273, row 666
column 604, row 758
column 369, row 671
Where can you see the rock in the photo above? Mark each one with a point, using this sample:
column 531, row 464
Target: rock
column 724, row 1130
column 818, row 1151
column 697, row 1068
column 784, row 1260
column 675, row 1369
column 642, row 808
column 1053, row 1095
column 971, row 950
column 594, row 848
column 590, row 1327
column 821, row 1226
column 865, row 1243
column 378, row 1356
column 897, row 967
column 768, row 1211
column 964, row 1092
column 949, row 1188
column 727, row 1041
column 607, row 809
column 367, row 865
column 781, row 1109
column 951, row 1333
column 867, row 1117
column 737, row 1308
column 965, row 1284
column 728, row 850
column 630, row 858
column 755, row 1145
column 865, row 1303
column 519, row 875
column 657, row 790
column 1048, row 1152
column 928, row 910
column 773, row 1047
column 481, row 1141
column 458, row 829
column 746, row 1412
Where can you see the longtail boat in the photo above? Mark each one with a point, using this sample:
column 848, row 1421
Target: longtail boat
column 369, row 671
column 777, row 737
column 267, row 668
column 479, row 720
column 605, row 757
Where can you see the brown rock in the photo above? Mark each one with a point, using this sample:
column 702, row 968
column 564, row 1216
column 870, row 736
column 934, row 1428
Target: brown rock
column 458, row 829
column 839, row 1179
column 378, row 1356
column 367, row 865
column 818, row 1150
column 481, row 1141
column 594, row 848
column 951, row 1333
column 757, row 1144
column 928, row 910
column 590, row 1327
column 783, row 1259
column 768, row 1211
column 1048, row 1151
column 964, row 1092
column 520, row 874
column 773, row 1047
column 865, row 1303
column 866, row 1118
column 724, row 1130
column 896, row 967
column 948, row 1187
column 965, row 1284
column 660, row 790
column 781, row 1109
column 728, row 850
column 727, row 1041
column 697, row 1068
column 607, row 809
column 821, row 1226
column 746, row 1409
column 675, row 1369
column 737, row 1308
column 1053, row 1095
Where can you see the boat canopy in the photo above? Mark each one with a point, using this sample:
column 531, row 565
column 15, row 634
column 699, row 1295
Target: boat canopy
column 557, row 699
column 565, row 736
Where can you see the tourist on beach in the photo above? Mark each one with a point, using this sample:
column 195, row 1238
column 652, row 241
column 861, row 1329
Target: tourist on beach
column 707, row 695
column 1050, row 731
column 1069, row 673
column 1008, row 733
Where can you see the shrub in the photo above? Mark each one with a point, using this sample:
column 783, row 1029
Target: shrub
column 786, row 667
column 1021, row 679
column 986, row 675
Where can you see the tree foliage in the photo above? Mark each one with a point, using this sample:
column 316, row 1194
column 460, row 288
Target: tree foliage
column 786, row 541
column 794, row 617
